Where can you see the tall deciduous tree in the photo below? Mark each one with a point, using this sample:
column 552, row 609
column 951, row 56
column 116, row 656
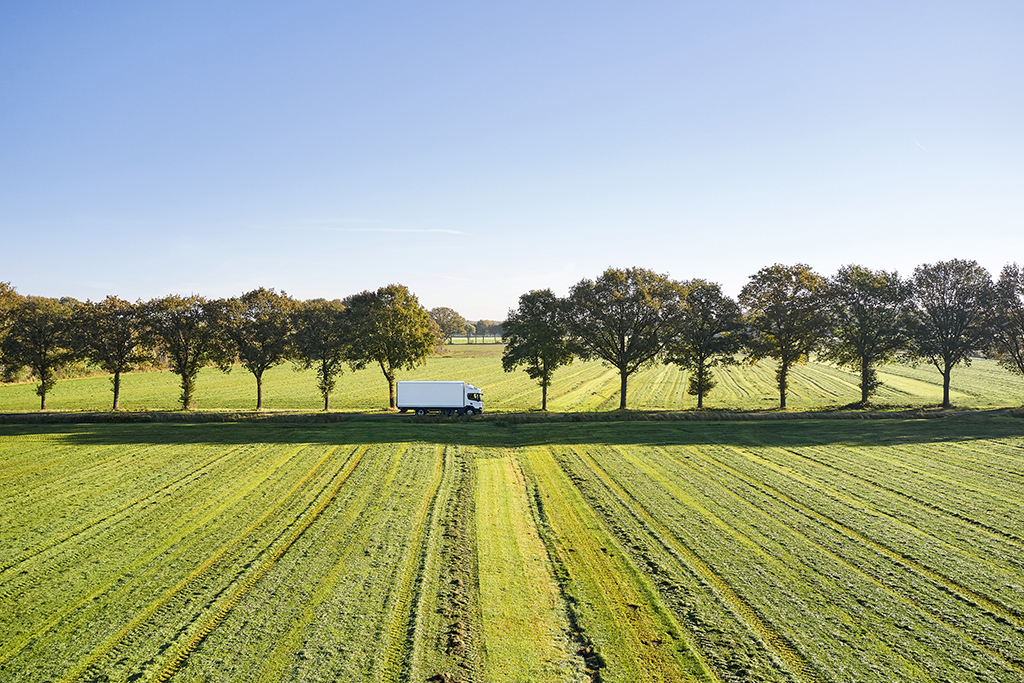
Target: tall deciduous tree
column 322, row 340
column 389, row 328
column 1008, row 325
column 9, row 300
column 786, row 316
column 625, row 318
column 710, row 333
column 952, row 301
column 449, row 322
column 870, row 322
column 113, row 335
column 187, row 335
column 258, row 325
column 42, row 338
column 536, row 338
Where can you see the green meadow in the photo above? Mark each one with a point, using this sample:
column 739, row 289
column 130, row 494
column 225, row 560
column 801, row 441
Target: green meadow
column 383, row 549
column 580, row 387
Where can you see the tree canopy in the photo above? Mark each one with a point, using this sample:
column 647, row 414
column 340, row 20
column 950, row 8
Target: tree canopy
column 625, row 318
column 786, row 316
column 952, row 300
column 322, row 340
column 42, row 338
column 113, row 335
column 870, row 322
column 258, row 325
column 710, row 332
column 1008, row 322
column 536, row 338
column 389, row 328
column 9, row 300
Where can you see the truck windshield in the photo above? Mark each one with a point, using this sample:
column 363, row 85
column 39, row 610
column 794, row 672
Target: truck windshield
column 474, row 397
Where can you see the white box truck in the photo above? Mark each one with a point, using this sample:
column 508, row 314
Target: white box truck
column 443, row 397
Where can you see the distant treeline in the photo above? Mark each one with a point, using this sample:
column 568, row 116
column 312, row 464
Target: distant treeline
column 944, row 314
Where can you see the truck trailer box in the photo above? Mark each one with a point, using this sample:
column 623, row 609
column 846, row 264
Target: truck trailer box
column 448, row 397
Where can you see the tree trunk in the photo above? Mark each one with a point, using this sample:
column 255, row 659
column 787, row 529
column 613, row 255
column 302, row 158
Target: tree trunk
column 622, row 389
column 544, row 396
column 389, row 374
column 187, row 389
column 946, row 372
column 117, row 389
column 259, row 390
column 783, row 377
column 701, row 372
column 42, row 401
column 865, row 381
column 327, row 402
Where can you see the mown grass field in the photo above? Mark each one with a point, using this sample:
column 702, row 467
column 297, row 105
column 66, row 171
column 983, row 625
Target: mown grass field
column 580, row 387
column 390, row 549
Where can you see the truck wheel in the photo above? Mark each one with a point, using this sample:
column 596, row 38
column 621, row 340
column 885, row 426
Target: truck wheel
column 421, row 411
column 470, row 411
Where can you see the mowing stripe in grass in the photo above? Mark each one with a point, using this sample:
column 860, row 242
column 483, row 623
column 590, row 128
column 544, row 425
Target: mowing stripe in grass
column 210, row 510
column 893, row 516
column 183, row 652
column 759, row 566
column 783, row 649
column 188, row 586
column 842, row 552
column 523, row 619
column 620, row 613
column 43, row 547
column 398, row 642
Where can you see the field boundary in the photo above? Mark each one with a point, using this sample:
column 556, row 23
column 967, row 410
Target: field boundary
column 203, row 417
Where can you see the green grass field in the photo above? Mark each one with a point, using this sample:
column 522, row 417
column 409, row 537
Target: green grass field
column 580, row 387
column 389, row 549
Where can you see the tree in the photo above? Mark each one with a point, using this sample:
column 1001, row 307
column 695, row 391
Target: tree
column 322, row 340
column 258, row 325
column 870, row 322
column 390, row 328
column 42, row 338
column 187, row 335
column 113, row 335
column 535, row 337
column 952, row 300
column 625, row 318
column 710, row 333
column 484, row 327
column 449, row 322
column 9, row 300
column 1008, row 326
column 786, row 317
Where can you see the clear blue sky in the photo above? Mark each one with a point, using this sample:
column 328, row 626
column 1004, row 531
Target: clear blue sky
column 477, row 150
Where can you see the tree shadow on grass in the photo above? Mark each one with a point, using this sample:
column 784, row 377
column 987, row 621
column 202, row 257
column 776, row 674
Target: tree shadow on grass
column 496, row 432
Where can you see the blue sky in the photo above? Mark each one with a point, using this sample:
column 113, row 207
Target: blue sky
column 476, row 151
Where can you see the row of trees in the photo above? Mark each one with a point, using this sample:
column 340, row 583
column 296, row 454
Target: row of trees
column 259, row 330
column 944, row 314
